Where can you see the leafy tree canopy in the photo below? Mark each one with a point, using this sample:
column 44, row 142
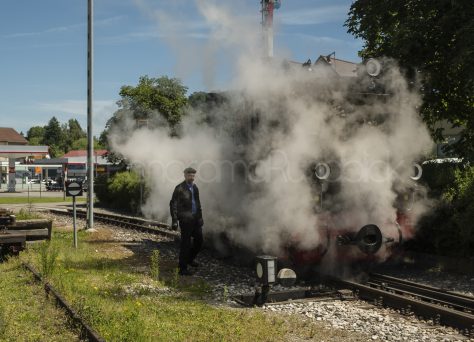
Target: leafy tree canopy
column 161, row 96
column 434, row 39
column 153, row 102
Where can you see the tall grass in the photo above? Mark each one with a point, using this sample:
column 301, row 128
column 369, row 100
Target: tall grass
column 155, row 264
column 3, row 321
column 48, row 253
column 26, row 214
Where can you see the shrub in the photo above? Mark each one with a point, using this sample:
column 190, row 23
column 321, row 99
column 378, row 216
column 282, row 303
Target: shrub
column 438, row 177
column 124, row 191
column 101, row 189
column 448, row 230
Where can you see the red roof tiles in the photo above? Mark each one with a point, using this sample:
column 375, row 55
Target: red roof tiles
column 11, row 137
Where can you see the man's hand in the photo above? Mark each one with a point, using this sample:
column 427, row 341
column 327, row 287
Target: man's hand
column 174, row 225
column 200, row 222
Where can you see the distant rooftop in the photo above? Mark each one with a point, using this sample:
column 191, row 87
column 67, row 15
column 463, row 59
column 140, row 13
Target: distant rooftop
column 8, row 136
column 341, row 67
column 83, row 153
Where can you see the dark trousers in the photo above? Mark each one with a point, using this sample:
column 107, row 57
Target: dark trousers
column 189, row 249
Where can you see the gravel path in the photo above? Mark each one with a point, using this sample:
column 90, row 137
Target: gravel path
column 226, row 280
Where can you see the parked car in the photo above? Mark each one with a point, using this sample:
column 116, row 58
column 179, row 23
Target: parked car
column 54, row 186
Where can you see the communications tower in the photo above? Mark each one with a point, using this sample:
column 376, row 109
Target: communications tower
column 268, row 7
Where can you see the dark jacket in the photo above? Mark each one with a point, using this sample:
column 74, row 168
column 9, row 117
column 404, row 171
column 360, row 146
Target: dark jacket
column 181, row 203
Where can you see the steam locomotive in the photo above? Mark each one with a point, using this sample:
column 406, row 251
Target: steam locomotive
column 342, row 239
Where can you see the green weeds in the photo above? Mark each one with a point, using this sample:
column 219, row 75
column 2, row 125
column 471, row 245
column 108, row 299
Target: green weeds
column 175, row 279
column 3, row 321
column 225, row 295
column 27, row 214
column 48, row 253
column 155, row 264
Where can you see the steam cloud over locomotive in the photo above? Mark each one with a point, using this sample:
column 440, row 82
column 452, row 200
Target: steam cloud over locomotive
column 295, row 161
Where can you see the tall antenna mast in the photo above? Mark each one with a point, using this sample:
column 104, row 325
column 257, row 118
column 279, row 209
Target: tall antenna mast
column 268, row 7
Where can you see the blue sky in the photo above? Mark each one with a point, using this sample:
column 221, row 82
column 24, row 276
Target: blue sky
column 43, row 50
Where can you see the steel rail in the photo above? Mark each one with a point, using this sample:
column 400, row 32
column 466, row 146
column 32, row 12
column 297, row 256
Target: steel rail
column 439, row 314
column 395, row 289
column 464, row 302
column 87, row 331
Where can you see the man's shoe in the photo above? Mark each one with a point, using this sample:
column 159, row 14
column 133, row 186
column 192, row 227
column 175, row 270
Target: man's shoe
column 185, row 273
column 193, row 264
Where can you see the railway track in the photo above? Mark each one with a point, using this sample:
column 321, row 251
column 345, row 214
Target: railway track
column 143, row 225
column 87, row 332
column 422, row 292
column 426, row 302
column 441, row 306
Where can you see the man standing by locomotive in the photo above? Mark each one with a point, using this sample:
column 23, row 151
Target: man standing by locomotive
column 185, row 208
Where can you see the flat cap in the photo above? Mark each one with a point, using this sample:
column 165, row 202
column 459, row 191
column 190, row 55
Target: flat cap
column 189, row 170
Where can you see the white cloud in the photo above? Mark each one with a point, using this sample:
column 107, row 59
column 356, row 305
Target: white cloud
column 314, row 15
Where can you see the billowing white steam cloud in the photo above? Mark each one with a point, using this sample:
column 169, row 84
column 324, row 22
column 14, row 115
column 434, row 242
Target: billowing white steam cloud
column 255, row 178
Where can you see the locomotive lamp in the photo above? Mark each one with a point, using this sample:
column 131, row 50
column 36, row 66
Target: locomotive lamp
column 416, row 176
column 418, row 172
column 373, row 67
column 322, row 172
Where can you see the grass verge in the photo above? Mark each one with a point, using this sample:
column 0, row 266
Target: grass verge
column 25, row 200
column 25, row 312
column 114, row 289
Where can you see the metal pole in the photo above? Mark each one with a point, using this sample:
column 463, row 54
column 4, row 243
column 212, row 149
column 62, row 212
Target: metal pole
column 90, row 135
column 74, row 220
column 63, row 177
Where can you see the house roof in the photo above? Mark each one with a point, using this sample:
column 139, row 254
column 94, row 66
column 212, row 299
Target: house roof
column 83, row 153
column 10, row 136
column 341, row 67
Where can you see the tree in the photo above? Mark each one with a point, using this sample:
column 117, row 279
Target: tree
column 161, row 96
column 82, row 143
column 75, row 130
column 35, row 135
column 434, row 39
column 75, row 136
column 154, row 102
column 53, row 134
